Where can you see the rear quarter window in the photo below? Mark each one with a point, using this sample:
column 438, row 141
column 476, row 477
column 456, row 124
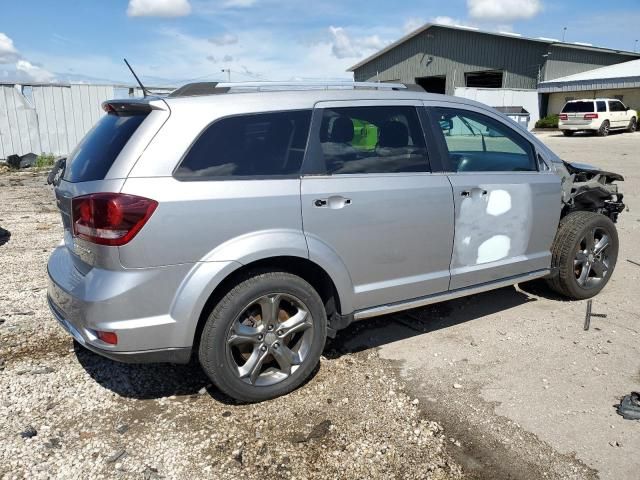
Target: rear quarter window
column 578, row 107
column 96, row 152
column 254, row 145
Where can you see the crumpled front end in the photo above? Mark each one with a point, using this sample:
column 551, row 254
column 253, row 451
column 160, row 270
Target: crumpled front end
column 588, row 188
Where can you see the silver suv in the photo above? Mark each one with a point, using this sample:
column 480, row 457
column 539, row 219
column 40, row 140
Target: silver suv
column 246, row 223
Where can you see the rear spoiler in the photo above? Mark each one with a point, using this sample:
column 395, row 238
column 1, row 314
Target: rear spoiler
column 134, row 106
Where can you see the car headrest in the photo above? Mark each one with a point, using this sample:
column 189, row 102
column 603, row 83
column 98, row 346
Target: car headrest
column 393, row 134
column 342, row 130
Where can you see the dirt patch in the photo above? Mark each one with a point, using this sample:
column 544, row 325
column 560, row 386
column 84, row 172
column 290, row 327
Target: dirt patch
column 84, row 416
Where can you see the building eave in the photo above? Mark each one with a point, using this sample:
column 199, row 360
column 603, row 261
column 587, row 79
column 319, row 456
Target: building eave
column 547, row 41
column 584, row 85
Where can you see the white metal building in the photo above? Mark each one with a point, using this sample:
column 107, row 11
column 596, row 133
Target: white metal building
column 621, row 81
column 51, row 118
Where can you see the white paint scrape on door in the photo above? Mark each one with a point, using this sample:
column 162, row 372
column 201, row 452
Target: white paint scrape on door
column 494, row 226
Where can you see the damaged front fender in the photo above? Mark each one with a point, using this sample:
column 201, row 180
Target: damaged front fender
column 585, row 187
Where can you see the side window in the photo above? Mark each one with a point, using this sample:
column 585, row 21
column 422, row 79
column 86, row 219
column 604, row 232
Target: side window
column 372, row 140
column 478, row 143
column 602, row 106
column 262, row 144
column 616, row 106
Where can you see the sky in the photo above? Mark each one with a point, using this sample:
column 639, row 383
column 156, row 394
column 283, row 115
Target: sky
column 170, row 42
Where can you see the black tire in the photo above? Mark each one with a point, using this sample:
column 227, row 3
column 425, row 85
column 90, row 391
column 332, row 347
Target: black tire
column 566, row 247
column 633, row 125
column 216, row 356
column 604, row 129
column 568, row 133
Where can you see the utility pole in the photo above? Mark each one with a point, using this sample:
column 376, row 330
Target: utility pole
column 564, row 31
column 635, row 47
column 228, row 70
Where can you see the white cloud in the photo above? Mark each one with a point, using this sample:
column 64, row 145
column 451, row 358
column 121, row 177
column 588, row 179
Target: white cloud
column 412, row 24
column 239, row 3
column 8, row 53
column 262, row 54
column 158, row 8
column 226, row 39
column 344, row 46
column 33, row 72
column 503, row 10
column 444, row 20
column 23, row 70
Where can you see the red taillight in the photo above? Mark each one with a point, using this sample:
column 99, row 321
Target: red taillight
column 564, row 116
column 590, row 116
column 110, row 218
column 108, row 337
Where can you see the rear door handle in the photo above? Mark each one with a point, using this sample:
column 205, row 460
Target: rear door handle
column 334, row 202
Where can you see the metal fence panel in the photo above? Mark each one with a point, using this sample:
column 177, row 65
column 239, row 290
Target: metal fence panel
column 56, row 120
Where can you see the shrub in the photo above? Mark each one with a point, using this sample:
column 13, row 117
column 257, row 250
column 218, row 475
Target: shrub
column 550, row 121
column 45, row 160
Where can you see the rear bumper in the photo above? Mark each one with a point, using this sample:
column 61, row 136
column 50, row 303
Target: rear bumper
column 135, row 304
column 166, row 355
column 578, row 126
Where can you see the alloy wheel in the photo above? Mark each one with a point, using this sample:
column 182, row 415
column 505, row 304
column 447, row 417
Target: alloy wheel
column 270, row 339
column 591, row 262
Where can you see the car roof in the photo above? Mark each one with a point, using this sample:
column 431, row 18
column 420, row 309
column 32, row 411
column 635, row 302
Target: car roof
column 593, row 100
column 303, row 99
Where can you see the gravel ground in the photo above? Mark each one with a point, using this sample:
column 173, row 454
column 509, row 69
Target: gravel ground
column 88, row 417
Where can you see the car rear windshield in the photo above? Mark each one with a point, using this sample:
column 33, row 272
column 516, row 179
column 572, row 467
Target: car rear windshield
column 96, row 152
column 578, row 107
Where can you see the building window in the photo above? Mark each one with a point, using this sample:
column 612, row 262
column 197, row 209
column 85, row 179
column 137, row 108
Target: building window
column 488, row 79
column 436, row 84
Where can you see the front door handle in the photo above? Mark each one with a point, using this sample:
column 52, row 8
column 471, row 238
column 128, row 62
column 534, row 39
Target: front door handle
column 334, row 202
column 468, row 193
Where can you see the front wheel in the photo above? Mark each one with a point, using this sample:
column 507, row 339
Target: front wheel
column 584, row 254
column 603, row 131
column 264, row 338
column 633, row 125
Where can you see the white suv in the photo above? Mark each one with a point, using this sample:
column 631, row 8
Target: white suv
column 599, row 115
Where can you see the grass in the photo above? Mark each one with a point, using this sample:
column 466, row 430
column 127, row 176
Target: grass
column 45, row 160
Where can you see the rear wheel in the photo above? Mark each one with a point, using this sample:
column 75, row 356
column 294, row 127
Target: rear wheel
column 568, row 133
column 633, row 125
column 264, row 338
column 603, row 131
column 584, row 253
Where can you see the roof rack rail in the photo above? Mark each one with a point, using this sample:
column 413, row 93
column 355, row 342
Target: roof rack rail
column 311, row 85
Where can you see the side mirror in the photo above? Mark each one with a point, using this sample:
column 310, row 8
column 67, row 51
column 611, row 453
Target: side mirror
column 446, row 124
